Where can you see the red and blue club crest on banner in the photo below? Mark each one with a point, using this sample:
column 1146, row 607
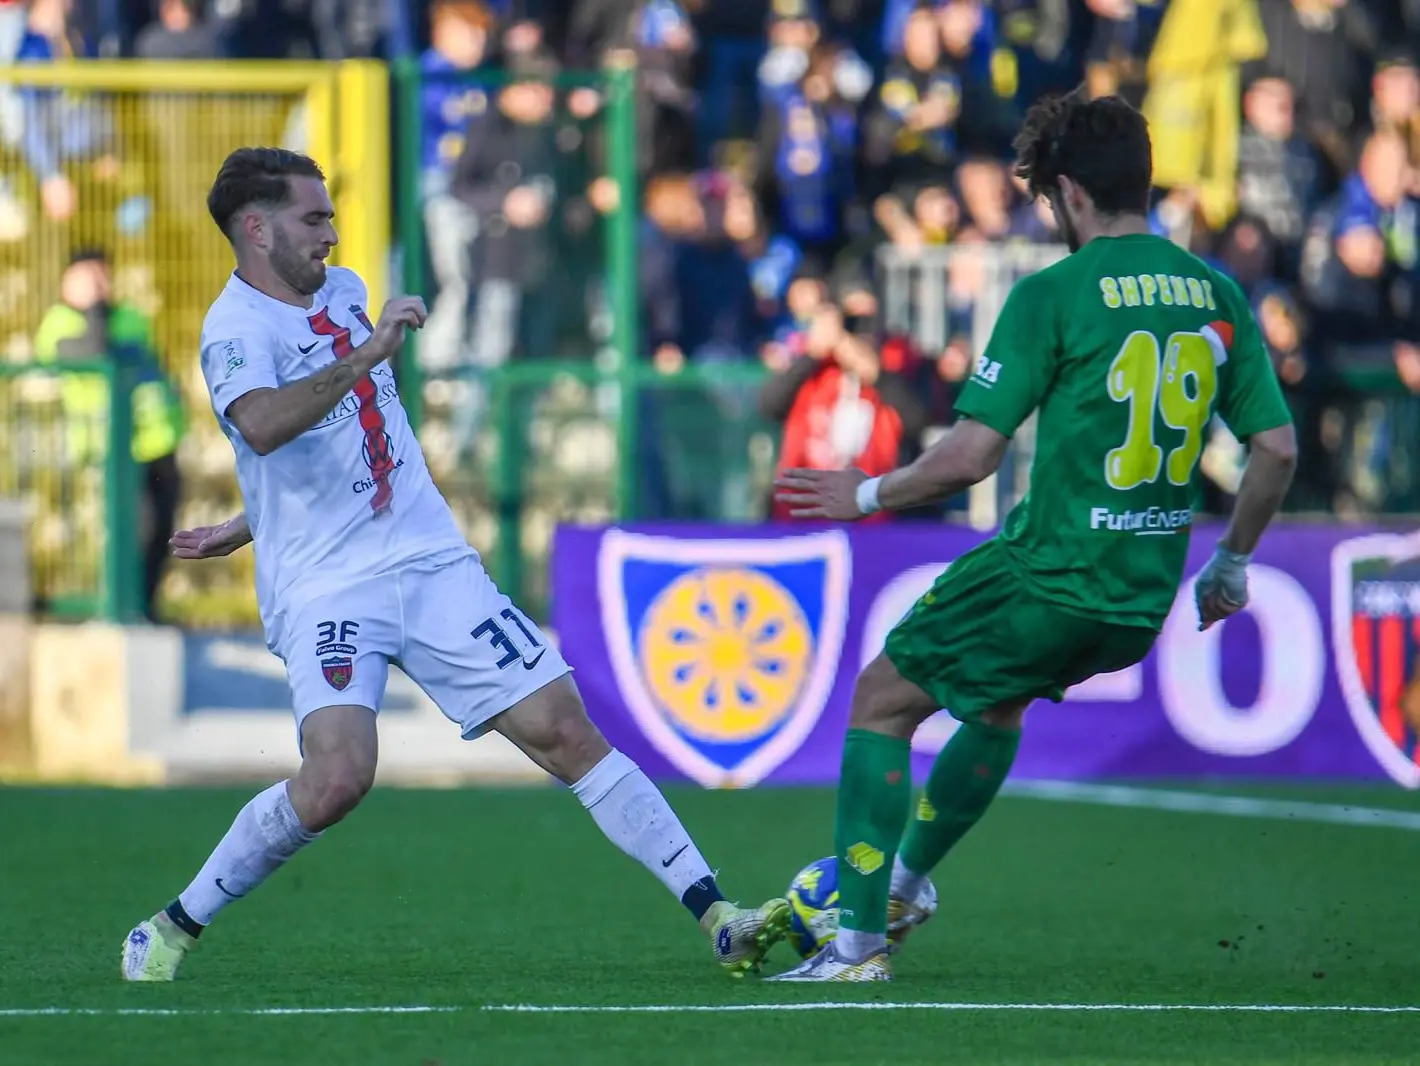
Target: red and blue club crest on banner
column 1376, row 638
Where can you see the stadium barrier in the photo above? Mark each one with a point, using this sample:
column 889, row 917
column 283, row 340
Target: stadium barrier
column 15, row 598
column 728, row 658
column 138, row 144
column 550, row 452
column 70, row 475
column 932, row 294
column 546, row 436
column 581, row 301
column 1315, row 680
column 98, row 703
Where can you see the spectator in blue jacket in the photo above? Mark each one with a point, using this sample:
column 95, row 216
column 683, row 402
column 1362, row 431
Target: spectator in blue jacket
column 697, row 287
column 796, row 36
column 1359, row 266
column 1359, row 271
column 452, row 101
column 60, row 127
column 699, row 237
column 910, row 134
column 807, row 178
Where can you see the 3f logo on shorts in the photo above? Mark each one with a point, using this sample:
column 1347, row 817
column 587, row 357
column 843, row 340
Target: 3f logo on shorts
column 335, row 648
column 501, row 641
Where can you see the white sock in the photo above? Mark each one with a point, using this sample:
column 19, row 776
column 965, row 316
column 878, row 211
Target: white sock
column 853, row 945
column 637, row 819
column 905, row 883
column 265, row 834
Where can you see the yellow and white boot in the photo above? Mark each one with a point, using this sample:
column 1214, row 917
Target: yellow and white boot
column 827, row 965
column 154, row 950
column 740, row 938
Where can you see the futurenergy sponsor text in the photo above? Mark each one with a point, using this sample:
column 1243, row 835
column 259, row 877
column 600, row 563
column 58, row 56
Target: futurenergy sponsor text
column 1150, row 520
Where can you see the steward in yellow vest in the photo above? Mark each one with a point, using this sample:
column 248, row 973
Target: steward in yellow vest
column 84, row 325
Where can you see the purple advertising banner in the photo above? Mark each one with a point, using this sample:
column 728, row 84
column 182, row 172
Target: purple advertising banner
column 727, row 656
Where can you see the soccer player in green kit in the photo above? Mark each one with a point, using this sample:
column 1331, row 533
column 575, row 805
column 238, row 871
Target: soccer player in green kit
column 1127, row 348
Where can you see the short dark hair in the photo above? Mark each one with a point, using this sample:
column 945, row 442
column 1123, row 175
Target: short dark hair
column 1102, row 145
column 88, row 253
column 256, row 176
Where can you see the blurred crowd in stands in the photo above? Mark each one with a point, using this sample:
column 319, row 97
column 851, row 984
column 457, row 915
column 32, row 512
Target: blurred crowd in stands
column 783, row 145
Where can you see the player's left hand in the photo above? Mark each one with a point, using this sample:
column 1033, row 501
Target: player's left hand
column 1221, row 588
column 828, row 494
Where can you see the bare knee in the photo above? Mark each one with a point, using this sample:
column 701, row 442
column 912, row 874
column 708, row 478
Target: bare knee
column 552, row 728
column 580, row 747
column 886, row 702
column 1005, row 715
column 341, row 751
column 333, row 788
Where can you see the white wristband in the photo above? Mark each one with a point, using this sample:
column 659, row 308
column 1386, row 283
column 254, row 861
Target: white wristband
column 1233, row 558
column 867, row 496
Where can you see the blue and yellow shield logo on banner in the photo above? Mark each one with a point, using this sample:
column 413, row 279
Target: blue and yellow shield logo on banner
column 725, row 651
column 1375, row 618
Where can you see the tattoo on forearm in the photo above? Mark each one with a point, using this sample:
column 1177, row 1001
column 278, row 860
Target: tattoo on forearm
column 341, row 377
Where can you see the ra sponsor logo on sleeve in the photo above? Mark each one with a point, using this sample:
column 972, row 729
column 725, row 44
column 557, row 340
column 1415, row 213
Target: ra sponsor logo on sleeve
column 725, row 651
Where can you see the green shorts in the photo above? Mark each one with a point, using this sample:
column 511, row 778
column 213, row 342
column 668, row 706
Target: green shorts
column 979, row 638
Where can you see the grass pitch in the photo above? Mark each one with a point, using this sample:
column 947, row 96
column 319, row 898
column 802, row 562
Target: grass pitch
column 458, row 904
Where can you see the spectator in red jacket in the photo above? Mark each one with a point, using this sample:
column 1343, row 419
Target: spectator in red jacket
column 833, row 415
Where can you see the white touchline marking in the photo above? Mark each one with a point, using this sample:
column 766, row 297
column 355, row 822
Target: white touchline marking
column 736, row 1008
column 1206, row 803
column 693, row 1008
column 179, row 1012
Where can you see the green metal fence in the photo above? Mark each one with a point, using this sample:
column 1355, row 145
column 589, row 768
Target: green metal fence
column 577, row 426
column 75, row 476
column 593, row 252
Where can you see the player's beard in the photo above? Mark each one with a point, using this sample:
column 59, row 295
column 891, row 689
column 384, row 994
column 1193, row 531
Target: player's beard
column 304, row 274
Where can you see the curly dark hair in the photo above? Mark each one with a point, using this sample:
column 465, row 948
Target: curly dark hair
column 1102, row 145
column 256, row 176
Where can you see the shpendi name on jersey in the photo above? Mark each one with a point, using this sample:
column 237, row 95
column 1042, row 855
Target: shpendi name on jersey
column 1152, row 520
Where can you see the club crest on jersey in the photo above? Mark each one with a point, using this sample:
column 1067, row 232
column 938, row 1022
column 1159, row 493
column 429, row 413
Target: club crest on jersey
column 338, row 670
column 1375, row 617
column 725, row 651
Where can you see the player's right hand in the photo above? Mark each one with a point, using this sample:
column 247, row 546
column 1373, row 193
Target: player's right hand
column 1221, row 588
column 829, row 494
column 211, row 542
column 401, row 313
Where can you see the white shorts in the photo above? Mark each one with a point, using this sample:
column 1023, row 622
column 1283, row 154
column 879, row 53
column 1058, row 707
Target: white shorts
column 445, row 624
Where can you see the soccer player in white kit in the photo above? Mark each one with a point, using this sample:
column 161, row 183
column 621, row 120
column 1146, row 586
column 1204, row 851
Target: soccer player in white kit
column 359, row 563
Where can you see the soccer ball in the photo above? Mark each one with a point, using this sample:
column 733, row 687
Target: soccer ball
column 813, row 901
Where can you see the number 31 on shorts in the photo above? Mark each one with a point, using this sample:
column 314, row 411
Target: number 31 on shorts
column 1180, row 383
column 497, row 635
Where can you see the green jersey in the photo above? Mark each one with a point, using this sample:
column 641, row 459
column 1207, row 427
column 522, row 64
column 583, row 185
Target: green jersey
column 1127, row 348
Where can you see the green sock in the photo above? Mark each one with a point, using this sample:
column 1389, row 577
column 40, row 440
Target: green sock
column 963, row 782
column 874, row 791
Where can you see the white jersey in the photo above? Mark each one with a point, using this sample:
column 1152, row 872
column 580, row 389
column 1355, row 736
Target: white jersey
column 349, row 498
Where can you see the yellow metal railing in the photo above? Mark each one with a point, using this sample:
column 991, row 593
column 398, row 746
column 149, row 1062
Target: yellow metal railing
column 119, row 155
column 74, row 476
